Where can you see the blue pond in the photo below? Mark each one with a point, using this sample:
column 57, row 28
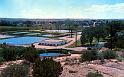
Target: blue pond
column 22, row 40
column 20, row 32
column 48, row 35
column 50, row 54
column 59, row 31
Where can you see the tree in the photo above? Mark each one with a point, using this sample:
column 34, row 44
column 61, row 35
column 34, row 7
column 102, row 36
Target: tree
column 58, row 26
column 28, row 23
column 71, row 29
column 89, row 34
column 47, row 68
column 100, row 32
column 83, row 39
column 76, row 30
column 120, row 42
column 70, row 26
column 113, row 28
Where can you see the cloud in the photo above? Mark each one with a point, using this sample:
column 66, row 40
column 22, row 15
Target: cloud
column 50, row 13
column 105, row 11
column 57, row 9
column 94, row 11
column 27, row 10
column 39, row 13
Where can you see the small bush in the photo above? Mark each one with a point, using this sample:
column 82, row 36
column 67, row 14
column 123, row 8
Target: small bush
column 1, row 56
column 9, row 54
column 109, row 54
column 46, row 68
column 122, row 54
column 119, row 58
column 31, row 54
column 15, row 71
column 12, row 53
column 89, row 55
column 100, row 57
column 1, row 59
column 91, row 74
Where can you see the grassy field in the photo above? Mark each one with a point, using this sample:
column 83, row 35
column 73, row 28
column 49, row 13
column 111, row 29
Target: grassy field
column 73, row 45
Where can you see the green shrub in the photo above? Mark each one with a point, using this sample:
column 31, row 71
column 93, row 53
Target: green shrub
column 117, row 49
column 109, row 54
column 15, row 71
column 9, row 54
column 100, row 57
column 122, row 54
column 1, row 59
column 119, row 58
column 12, row 53
column 20, row 51
column 46, row 68
column 91, row 74
column 89, row 55
column 30, row 54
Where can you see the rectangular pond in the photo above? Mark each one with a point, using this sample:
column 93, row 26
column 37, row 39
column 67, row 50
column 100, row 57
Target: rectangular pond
column 20, row 32
column 48, row 35
column 59, row 31
column 22, row 40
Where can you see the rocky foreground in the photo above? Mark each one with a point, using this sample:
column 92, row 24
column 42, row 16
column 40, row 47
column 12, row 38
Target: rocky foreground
column 109, row 69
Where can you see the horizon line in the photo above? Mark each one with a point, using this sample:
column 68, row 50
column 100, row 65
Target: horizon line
column 54, row 18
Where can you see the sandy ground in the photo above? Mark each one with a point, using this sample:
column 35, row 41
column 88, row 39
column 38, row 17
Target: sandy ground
column 109, row 69
column 81, row 70
column 112, row 68
column 77, row 48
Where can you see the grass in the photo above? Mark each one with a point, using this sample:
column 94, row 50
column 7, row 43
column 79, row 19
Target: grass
column 79, row 44
column 73, row 45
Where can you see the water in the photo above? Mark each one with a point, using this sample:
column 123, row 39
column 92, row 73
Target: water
column 20, row 32
column 22, row 40
column 50, row 54
column 33, row 34
column 48, row 35
column 59, row 31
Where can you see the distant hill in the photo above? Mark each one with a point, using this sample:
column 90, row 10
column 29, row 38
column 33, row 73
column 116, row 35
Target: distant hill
column 32, row 22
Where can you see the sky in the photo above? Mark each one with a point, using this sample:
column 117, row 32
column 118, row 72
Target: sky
column 92, row 9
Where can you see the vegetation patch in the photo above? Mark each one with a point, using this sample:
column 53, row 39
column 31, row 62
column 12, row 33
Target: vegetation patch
column 73, row 45
column 89, row 55
column 47, row 68
column 15, row 70
column 96, row 74
column 109, row 54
